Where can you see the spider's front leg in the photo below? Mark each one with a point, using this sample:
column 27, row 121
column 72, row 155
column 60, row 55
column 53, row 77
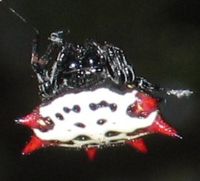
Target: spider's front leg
column 39, row 65
column 119, row 70
column 123, row 74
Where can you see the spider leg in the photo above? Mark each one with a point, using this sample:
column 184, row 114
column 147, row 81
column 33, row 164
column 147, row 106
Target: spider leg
column 144, row 85
column 120, row 72
column 127, row 69
column 113, row 70
column 39, row 66
column 57, row 68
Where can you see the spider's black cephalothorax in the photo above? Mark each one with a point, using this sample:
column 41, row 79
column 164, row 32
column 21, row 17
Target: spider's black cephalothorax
column 82, row 66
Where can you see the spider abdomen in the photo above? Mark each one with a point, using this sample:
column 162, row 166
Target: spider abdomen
column 95, row 118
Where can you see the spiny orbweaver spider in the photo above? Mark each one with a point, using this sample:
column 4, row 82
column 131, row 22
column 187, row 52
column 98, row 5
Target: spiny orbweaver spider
column 91, row 98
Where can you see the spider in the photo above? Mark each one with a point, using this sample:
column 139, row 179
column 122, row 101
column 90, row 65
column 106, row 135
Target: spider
column 91, row 98
column 82, row 67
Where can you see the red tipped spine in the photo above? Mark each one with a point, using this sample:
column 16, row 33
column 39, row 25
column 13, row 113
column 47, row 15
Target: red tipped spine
column 139, row 145
column 34, row 144
column 91, row 153
column 160, row 126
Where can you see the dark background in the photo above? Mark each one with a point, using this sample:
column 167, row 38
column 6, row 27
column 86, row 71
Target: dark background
column 161, row 38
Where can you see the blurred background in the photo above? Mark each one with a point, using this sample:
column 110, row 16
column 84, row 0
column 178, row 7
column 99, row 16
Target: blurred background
column 161, row 39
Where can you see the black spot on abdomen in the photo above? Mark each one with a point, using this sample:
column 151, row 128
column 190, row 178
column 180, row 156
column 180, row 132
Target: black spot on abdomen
column 59, row 116
column 82, row 138
column 80, row 125
column 101, row 121
column 111, row 133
